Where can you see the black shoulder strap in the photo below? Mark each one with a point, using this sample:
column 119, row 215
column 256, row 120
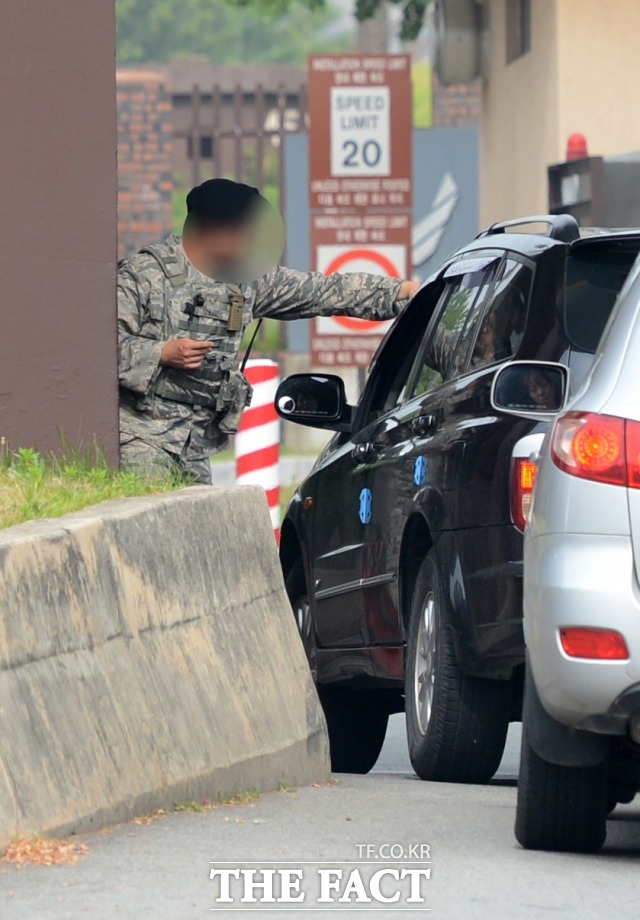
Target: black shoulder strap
column 170, row 265
column 251, row 344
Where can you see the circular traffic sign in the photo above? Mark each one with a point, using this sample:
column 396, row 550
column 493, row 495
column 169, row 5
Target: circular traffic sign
column 372, row 256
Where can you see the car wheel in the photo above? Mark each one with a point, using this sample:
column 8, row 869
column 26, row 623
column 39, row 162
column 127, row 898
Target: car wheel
column 357, row 723
column 560, row 808
column 296, row 586
column 456, row 724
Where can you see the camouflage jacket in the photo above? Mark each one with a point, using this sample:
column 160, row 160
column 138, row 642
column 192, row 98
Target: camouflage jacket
column 151, row 311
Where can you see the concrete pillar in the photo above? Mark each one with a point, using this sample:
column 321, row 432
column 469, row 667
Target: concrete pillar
column 58, row 224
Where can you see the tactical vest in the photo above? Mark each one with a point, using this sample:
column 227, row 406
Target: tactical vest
column 218, row 384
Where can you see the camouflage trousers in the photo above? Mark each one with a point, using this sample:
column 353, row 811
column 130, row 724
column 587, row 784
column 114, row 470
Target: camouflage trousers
column 136, row 454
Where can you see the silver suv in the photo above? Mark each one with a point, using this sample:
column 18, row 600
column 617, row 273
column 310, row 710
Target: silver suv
column 581, row 721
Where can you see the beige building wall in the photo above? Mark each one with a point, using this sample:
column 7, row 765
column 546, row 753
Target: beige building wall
column 581, row 75
column 519, row 117
column 599, row 73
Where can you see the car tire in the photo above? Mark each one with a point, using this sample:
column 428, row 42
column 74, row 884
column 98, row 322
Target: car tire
column 357, row 723
column 456, row 723
column 298, row 594
column 560, row 808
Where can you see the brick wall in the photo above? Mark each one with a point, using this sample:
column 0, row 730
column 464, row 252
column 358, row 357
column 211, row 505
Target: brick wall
column 144, row 159
column 456, row 106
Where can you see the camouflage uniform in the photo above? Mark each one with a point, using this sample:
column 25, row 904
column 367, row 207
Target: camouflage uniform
column 175, row 419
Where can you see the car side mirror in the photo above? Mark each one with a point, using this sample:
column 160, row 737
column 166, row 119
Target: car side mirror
column 530, row 389
column 315, row 400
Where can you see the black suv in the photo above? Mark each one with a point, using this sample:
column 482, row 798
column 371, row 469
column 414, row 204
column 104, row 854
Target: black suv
column 402, row 550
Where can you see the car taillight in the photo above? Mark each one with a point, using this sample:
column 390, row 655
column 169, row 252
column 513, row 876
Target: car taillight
column 523, row 478
column 602, row 448
column 632, row 431
column 591, row 642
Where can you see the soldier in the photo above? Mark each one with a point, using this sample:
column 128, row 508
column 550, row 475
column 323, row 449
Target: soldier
column 181, row 321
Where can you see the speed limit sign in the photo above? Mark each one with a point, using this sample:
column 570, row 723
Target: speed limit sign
column 360, row 123
column 360, row 131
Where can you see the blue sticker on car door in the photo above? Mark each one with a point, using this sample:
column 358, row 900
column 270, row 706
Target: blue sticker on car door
column 366, row 501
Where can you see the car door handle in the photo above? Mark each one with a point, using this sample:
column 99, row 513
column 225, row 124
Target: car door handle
column 364, row 453
column 423, row 424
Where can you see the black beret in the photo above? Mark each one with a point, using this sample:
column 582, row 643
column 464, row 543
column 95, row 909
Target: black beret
column 223, row 201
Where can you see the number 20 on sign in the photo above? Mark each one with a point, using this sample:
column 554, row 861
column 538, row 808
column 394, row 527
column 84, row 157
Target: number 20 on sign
column 360, row 131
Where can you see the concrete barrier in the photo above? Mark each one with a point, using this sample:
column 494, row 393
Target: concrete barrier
column 148, row 657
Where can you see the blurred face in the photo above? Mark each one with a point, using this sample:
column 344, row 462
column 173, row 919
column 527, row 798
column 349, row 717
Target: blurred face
column 486, row 340
column 243, row 250
column 223, row 249
column 541, row 391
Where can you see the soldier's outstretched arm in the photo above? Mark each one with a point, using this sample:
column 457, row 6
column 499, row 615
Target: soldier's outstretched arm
column 288, row 294
column 139, row 336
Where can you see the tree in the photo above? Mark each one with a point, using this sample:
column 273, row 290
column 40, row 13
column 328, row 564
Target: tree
column 225, row 31
column 238, row 31
column 412, row 18
column 278, row 7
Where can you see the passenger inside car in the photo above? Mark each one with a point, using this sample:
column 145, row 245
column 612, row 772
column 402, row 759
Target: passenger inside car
column 499, row 334
column 543, row 389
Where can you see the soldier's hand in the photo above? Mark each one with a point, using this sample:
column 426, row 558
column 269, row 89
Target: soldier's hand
column 185, row 354
column 407, row 290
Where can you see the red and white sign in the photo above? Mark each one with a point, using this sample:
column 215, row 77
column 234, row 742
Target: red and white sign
column 360, row 186
column 390, row 259
column 360, row 116
column 343, row 341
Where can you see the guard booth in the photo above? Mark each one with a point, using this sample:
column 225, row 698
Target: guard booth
column 597, row 191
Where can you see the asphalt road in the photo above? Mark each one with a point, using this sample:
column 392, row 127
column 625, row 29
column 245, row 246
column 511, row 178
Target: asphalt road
column 478, row 872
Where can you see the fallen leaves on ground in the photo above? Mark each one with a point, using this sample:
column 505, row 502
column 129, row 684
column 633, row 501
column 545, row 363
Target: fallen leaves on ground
column 151, row 817
column 245, row 798
column 39, row 851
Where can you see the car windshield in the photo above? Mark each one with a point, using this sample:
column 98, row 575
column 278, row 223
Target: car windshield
column 594, row 280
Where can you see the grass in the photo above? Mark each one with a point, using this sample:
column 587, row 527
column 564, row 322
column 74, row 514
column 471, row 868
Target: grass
column 285, row 787
column 33, row 486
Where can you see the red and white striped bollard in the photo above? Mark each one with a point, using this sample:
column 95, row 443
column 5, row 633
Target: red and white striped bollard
column 257, row 443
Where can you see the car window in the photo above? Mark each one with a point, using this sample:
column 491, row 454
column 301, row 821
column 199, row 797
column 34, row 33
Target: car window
column 594, row 280
column 459, row 302
column 396, row 357
column 410, row 376
column 463, row 348
column 498, row 334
